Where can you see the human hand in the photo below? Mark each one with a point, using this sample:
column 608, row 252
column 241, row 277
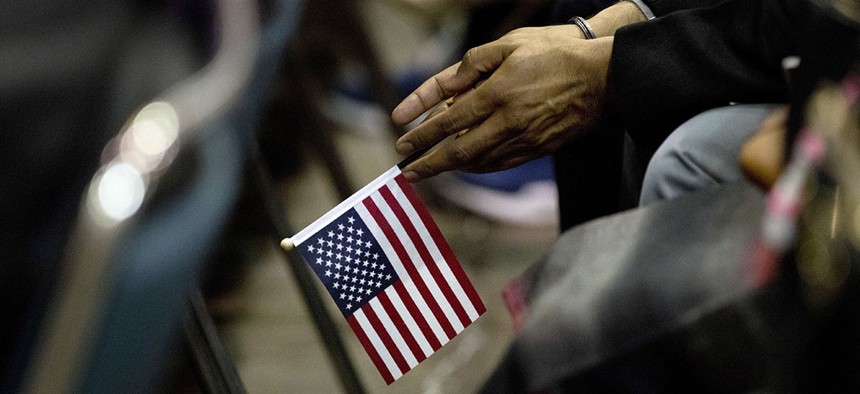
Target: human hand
column 543, row 86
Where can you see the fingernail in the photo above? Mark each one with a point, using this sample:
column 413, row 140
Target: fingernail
column 411, row 176
column 404, row 148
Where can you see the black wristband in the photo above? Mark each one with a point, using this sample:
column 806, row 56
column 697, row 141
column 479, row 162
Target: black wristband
column 584, row 26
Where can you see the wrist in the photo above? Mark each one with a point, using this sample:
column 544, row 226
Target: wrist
column 606, row 22
column 604, row 53
column 583, row 25
column 594, row 59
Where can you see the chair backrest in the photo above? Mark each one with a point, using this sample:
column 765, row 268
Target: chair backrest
column 145, row 225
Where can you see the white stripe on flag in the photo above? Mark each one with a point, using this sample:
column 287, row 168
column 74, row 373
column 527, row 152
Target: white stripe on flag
column 453, row 283
column 418, row 262
column 409, row 321
column 401, row 271
column 344, row 206
column 377, row 344
column 392, row 331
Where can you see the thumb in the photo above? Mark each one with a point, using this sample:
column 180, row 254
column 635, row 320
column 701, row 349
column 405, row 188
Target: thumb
column 455, row 79
column 482, row 60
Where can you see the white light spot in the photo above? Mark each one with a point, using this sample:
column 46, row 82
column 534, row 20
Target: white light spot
column 155, row 128
column 120, row 191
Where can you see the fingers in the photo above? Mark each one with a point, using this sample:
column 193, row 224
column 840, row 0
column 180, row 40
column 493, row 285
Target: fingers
column 470, row 109
column 438, row 109
column 430, row 93
column 459, row 151
column 454, row 79
column 483, row 59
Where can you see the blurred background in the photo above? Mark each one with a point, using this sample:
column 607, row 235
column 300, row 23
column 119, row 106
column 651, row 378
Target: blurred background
column 156, row 152
column 494, row 227
column 266, row 115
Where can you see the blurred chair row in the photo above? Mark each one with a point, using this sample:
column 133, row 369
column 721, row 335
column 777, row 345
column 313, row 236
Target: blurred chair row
column 97, row 287
column 97, row 271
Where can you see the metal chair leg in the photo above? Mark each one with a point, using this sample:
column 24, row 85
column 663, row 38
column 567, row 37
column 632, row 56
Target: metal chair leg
column 213, row 364
column 264, row 186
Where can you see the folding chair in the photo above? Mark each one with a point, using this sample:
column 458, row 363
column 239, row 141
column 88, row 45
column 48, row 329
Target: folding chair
column 149, row 217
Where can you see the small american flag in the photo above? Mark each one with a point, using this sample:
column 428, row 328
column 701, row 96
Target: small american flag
column 391, row 273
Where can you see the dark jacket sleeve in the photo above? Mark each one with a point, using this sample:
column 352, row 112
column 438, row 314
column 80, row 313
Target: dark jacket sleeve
column 669, row 69
column 663, row 7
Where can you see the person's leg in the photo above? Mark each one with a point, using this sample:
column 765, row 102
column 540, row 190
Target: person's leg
column 702, row 152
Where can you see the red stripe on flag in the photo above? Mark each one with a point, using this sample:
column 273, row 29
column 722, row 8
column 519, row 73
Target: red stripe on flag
column 441, row 244
column 391, row 236
column 371, row 351
column 417, row 316
column 425, row 255
column 401, row 326
column 386, row 338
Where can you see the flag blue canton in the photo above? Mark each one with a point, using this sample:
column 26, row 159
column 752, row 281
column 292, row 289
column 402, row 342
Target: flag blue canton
column 349, row 262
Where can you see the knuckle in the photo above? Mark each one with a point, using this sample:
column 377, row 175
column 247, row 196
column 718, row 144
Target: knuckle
column 486, row 95
column 489, row 96
column 471, row 56
column 460, row 154
column 417, row 138
column 442, row 91
column 519, row 32
column 515, row 119
column 523, row 57
column 423, row 171
column 512, row 34
column 447, row 124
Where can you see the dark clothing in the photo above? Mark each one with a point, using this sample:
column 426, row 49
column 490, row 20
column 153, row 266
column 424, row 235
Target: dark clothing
column 663, row 7
column 757, row 339
column 695, row 56
column 656, row 300
column 669, row 69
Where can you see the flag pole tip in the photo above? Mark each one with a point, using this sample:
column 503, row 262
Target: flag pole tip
column 287, row 244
